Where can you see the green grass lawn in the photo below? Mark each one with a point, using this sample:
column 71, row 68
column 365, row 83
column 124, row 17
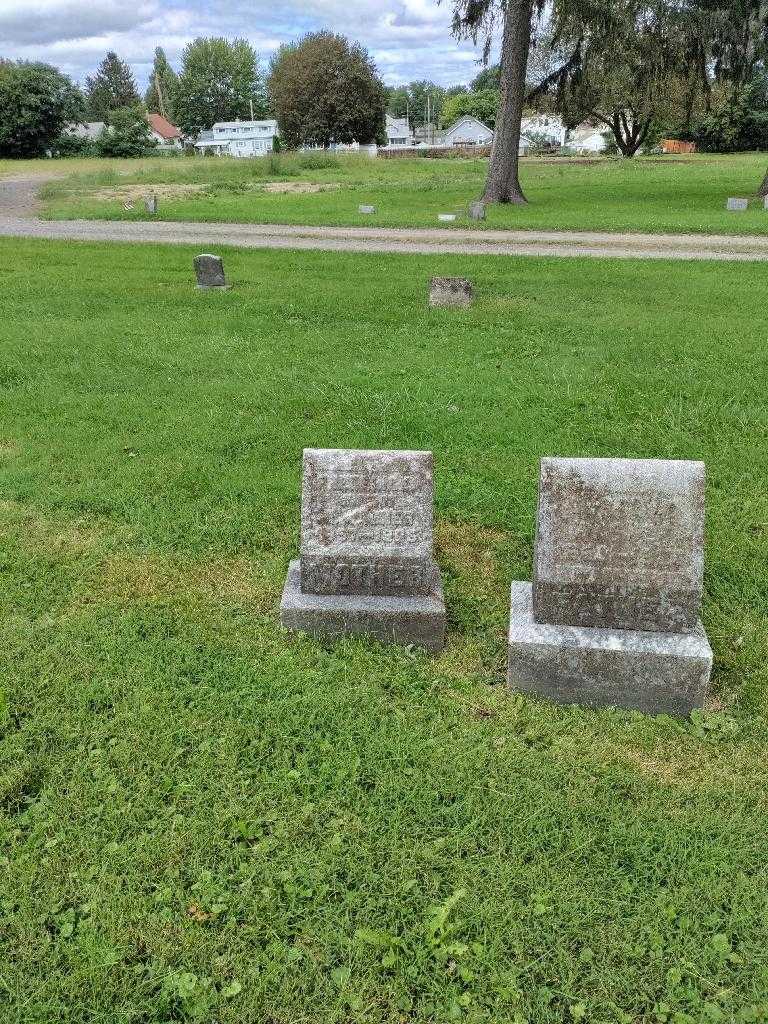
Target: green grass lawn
column 204, row 818
column 655, row 194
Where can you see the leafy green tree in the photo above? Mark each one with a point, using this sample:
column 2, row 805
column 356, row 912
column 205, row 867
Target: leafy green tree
column 325, row 89
column 487, row 78
column 36, row 102
column 735, row 125
column 160, row 97
column 482, row 104
column 426, row 102
column 126, row 133
column 219, row 81
column 398, row 101
column 113, row 86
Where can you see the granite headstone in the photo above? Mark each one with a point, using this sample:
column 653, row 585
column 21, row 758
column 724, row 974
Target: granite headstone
column 367, row 563
column 450, row 291
column 734, row 203
column 210, row 272
column 612, row 616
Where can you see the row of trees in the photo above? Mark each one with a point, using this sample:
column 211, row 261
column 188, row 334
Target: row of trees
column 697, row 66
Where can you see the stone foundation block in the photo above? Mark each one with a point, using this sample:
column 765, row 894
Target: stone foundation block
column 657, row 673
column 416, row 620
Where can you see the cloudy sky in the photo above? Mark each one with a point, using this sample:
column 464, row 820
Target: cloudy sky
column 408, row 39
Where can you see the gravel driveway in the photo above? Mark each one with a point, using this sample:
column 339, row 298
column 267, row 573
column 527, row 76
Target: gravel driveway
column 18, row 208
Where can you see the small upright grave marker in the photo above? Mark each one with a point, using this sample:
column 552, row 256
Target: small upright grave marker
column 367, row 563
column 612, row 617
column 450, row 291
column 765, row 202
column 210, row 272
column 477, row 210
column 151, row 204
column 734, row 203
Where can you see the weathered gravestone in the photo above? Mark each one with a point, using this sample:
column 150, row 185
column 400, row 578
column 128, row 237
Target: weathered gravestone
column 151, row 204
column 612, row 617
column 210, row 272
column 736, row 204
column 477, row 210
column 765, row 202
column 450, row 291
column 365, row 208
column 446, row 217
column 367, row 563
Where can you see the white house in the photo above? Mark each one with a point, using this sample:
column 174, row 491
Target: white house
column 399, row 132
column 587, row 139
column 467, row 131
column 89, row 130
column 548, row 128
column 238, row 138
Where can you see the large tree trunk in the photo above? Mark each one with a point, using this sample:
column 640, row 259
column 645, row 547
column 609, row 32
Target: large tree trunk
column 763, row 190
column 503, row 183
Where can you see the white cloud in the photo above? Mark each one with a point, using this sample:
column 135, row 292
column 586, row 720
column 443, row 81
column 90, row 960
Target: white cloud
column 407, row 38
column 40, row 22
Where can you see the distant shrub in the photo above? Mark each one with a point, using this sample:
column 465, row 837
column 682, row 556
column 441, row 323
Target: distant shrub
column 317, row 161
column 68, row 144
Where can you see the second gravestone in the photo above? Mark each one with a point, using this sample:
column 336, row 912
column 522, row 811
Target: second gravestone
column 210, row 272
column 367, row 563
column 612, row 617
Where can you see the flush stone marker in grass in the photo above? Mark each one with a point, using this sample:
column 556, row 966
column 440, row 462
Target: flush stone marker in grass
column 210, row 272
column 365, row 208
column 367, row 563
column 450, row 291
column 736, row 204
column 612, row 617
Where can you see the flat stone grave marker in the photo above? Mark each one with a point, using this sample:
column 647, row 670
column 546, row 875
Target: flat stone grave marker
column 477, row 210
column 151, row 204
column 367, row 563
column 446, row 217
column 210, row 272
column 450, row 291
column 737, row 204
column 612, row 616
column 366, row 208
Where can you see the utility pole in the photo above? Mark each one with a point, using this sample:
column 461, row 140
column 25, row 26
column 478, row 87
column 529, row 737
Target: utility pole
column 252, row 117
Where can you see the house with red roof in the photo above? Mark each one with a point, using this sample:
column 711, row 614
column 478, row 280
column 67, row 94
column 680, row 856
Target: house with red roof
column 164, row 133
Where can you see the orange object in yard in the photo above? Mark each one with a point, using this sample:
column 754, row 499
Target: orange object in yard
column 676, row 146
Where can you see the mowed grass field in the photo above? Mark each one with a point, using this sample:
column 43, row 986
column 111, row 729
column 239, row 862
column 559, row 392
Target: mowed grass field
column 206, row 818
column 647, row 194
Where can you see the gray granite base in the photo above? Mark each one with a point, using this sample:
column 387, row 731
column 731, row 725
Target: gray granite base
column 658, row 673
column 403, row 620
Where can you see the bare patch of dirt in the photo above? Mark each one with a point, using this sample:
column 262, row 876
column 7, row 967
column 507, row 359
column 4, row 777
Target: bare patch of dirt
column 299, row 187
column 122, row 193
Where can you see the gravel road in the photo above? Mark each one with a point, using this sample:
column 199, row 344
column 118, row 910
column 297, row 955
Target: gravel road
column 18, row 209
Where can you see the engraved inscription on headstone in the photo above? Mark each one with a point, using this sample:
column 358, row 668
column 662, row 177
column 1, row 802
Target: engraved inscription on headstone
column 450, row 291
column 619, row 543
column 210, row 271
column 735, row 203
column 366, row 523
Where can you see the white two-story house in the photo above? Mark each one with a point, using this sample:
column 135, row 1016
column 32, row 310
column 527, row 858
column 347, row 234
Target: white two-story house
column 238, row 138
